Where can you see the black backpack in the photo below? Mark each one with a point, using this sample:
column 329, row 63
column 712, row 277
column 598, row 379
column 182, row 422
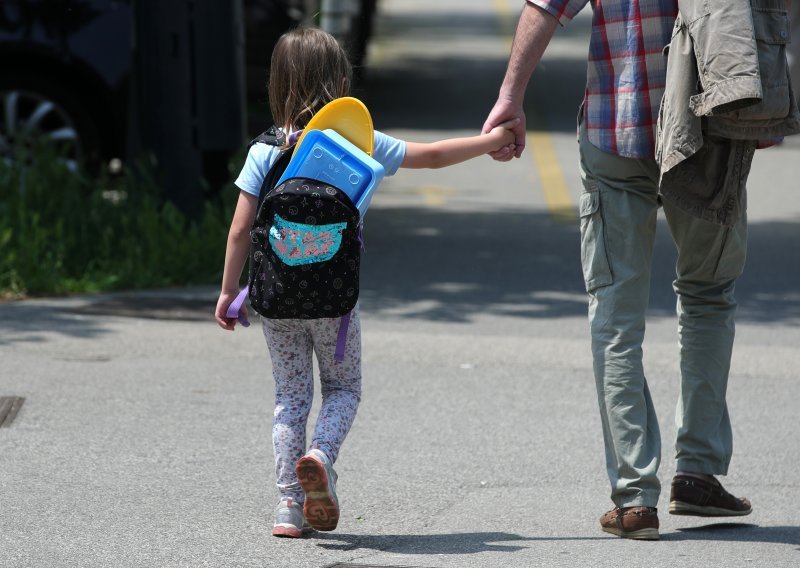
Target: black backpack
column 305, row 246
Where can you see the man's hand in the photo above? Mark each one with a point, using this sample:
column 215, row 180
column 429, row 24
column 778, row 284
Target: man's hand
column 505, row 111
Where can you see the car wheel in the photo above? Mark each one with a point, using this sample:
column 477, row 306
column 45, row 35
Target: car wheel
column 33, row 111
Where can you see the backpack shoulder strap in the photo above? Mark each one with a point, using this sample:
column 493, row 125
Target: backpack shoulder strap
column 274, row 174
column 272, row 136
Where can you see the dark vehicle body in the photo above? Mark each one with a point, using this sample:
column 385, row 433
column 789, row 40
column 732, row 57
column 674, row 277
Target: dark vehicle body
column 65, row 69
column 64, row 72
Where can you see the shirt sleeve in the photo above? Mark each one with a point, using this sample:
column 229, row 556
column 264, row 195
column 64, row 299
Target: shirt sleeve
column 389, row 152
column 259, row 159
column 562, row 10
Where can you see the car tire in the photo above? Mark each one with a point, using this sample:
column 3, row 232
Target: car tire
column 34, row 108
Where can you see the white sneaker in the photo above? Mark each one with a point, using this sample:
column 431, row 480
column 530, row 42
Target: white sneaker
column 289, row 521
column 318, row 480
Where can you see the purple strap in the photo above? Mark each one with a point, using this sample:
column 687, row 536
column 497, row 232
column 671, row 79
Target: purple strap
column 236, row 306
column 341, row 340
column 294, row 136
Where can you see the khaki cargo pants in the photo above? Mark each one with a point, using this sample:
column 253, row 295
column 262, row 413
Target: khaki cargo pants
column 618, row 222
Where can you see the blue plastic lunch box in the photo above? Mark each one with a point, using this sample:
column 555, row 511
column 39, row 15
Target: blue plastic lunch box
column 327, row 156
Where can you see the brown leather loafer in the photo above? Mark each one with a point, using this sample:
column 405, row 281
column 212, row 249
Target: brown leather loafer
column 640, row 523
column 701, row 498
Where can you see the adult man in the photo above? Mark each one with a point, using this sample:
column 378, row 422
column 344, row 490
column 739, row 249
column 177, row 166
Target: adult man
column 619, row 202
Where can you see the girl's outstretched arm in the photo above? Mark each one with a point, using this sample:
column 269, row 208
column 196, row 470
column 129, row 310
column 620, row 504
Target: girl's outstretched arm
column 235, row 257
column 451, row 151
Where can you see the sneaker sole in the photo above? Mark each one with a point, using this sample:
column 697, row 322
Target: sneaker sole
column 288, row 531
column 320, row 507
column 641, row 534
column 682, row 508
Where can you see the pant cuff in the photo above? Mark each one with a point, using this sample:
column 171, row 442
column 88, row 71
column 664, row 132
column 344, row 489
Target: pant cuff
column 694, row 466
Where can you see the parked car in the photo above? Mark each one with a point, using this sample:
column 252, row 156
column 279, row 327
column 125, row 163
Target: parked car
column 65, row 68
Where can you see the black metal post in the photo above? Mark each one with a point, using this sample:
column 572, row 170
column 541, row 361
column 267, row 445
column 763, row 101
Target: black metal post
column 187, row 95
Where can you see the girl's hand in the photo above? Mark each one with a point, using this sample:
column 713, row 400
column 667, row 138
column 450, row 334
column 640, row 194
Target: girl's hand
column 505, row 136
column 220, row 314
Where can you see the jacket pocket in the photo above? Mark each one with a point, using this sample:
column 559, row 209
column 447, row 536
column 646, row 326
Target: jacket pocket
column 771, row 29
column 594, row 257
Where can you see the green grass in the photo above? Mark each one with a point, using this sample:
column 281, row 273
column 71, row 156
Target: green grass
column 64, row 233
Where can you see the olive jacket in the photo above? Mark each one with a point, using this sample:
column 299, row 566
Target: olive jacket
column 727, row 87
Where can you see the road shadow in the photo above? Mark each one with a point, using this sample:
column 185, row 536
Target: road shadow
column 478, row 542
column 27, row 322
column 83, row 316
column 454, row 543
column 457, row 93
column 737, row 532
column 424, row 263
column 450, row 266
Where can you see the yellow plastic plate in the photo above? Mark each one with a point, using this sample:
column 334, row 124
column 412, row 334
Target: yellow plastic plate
column 349, row 117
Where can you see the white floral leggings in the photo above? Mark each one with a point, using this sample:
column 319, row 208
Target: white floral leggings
column 291, row 344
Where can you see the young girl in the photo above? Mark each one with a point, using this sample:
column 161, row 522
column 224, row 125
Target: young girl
column 310, row 69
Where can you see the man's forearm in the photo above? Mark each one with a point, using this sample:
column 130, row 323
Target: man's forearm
column 534, row 31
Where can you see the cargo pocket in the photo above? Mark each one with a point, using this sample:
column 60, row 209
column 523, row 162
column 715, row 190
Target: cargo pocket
column 730, row 263
column 594, row 258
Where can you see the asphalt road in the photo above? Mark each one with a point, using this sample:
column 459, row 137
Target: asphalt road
column 144, row 440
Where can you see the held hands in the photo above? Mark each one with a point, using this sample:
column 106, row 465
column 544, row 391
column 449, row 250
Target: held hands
column 504, row 136
column 509, row 114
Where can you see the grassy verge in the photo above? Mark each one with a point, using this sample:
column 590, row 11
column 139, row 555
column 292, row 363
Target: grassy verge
column 63, row 233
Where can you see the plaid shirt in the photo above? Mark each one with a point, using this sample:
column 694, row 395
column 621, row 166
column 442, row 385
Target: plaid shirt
column 626, row 72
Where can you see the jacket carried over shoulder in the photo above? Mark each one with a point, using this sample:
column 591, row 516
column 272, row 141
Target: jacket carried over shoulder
column 727, row 87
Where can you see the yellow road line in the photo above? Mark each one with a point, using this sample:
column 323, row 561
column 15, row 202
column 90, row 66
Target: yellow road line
column 554, row 185
column 435, row 195
column 507, row 22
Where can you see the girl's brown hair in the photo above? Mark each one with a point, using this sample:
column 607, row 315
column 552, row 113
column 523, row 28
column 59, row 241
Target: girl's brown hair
column 308, row 70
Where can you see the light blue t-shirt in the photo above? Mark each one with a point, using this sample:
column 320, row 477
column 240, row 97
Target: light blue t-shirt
column 389, row 152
